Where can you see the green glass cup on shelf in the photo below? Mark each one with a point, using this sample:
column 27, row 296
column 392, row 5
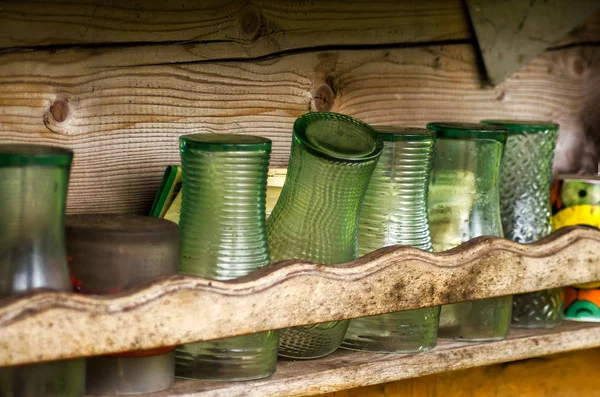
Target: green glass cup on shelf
column 464, row 203
column 223, row 237
column 394, row 212
column 33, row 195
column 316, row 217
column 525, row 207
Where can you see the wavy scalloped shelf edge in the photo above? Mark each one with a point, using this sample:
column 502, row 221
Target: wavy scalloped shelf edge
column 46, row 326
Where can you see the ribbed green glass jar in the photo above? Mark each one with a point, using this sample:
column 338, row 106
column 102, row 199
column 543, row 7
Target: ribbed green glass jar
column 223, row 237
column 395, row 212
column 33, row 195
column 525, row 208
column 464, row 203
column 316, row 217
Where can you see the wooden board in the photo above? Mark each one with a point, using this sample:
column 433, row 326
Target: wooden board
column 345, row 369
column 123, row 121
column 510, row 33
column 232, row 28
column 289, row 294
column 573, row 374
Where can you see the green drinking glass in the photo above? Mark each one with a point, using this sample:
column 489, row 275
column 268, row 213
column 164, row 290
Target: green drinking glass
column 223, row 237
column 525, row 209
column 316, row 217
column 394, row 212
column 464, row 203
column 33, row 195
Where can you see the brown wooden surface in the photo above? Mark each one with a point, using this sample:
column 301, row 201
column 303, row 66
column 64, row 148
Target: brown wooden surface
column 234, row 28
column 124, row 121
column 574, row 374
column 346, row 369
column 289, row 294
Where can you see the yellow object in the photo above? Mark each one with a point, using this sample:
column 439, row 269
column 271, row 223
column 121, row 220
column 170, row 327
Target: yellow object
column 583, row 214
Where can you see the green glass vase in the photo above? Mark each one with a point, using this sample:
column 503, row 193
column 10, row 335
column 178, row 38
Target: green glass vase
column 525, row 209
column 394, row 212
column 33, row 195
column 316, row 217
column 464, row 203
column 223, row 237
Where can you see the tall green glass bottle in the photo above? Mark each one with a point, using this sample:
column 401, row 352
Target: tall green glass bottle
column 464, row 203
column 223, row 237
column 316, row 217
column 525, row 209
column 33, row 195
column 395, row 212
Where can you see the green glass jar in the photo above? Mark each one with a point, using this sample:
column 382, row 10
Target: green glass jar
column 223, row 237
column 316, row 217
column 525, row 208
column 33, row 195
column 464, row 203
column 395, row 212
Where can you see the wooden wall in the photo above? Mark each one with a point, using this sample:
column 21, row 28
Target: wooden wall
column 118, row 80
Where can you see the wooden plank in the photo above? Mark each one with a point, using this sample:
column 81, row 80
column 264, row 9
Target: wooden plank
column 572, row 374
column 123, row 121
column 510, row 33
column 345, row 369
column 288, row 294
column 236, row 28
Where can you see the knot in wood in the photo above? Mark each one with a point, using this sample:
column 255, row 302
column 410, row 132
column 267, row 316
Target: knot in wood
column 251, row 23
column 323, row 98
column 60, row 110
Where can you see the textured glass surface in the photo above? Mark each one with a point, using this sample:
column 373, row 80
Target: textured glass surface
column 316, row 217
column 223, row 237
column 525, row 208
column 464, row 204
column 33, row 193
column 394, row 211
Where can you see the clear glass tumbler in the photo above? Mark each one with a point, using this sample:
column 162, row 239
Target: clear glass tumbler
column 316, row 217
column 395, row 212
column 464, row 203
column 223, row 237
column 33, row 195
column 525, row 207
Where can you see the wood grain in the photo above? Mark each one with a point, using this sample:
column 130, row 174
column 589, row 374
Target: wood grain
column 345, row 370
column 183, row 309
column 123, row 120
column 238, row 28
column 572, row 374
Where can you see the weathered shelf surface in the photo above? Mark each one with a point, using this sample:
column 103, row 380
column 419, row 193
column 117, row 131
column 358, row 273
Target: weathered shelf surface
column 181, row 309
column 346, row 369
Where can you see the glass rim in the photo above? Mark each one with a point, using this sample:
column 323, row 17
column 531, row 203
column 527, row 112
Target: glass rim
column 520, row 126
column 394, row 133
column 17, row 154
column 299, row 131
column 224, row 142
column 459, row 130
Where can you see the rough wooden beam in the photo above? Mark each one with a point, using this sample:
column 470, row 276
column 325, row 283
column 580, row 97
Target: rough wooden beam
column 345, row 369
column 49, row 325
column 234, row 28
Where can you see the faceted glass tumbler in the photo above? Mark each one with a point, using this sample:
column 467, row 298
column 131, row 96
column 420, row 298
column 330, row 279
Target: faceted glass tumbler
column 394, row 211
column 316, row 217
column 223, row 237
column 525, row 207
column 33, row 195
column 464, row 203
